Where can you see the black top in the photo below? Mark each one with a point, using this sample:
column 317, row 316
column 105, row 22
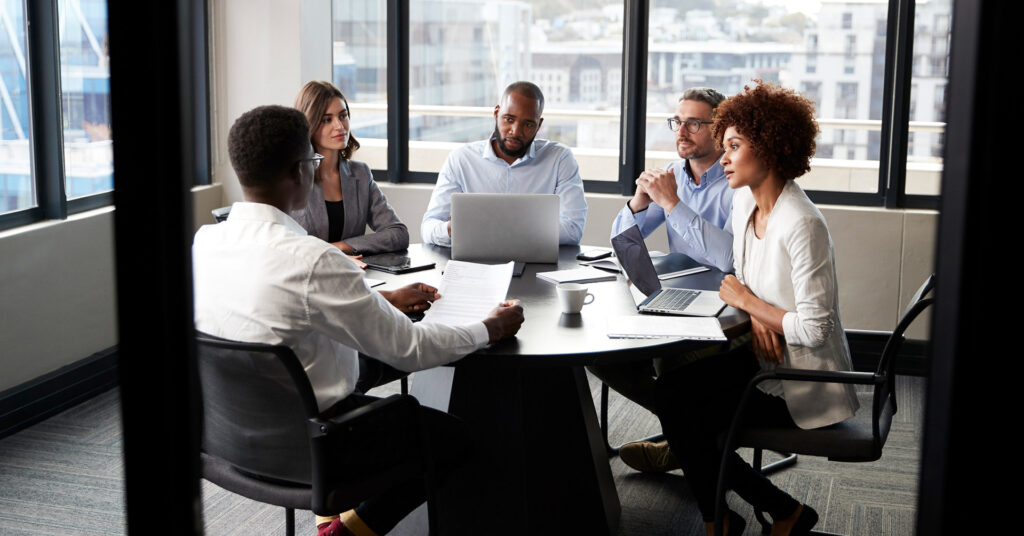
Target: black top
column 335, row 220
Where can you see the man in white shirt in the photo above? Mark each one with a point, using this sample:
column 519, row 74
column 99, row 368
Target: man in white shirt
column 692, row 198
column 511, row 161
column 258, row 277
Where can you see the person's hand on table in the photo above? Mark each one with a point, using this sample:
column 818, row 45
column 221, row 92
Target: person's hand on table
column 735, row 293
column 504, row 320
column 767, row 344
column 356, row 259
column 412, row 298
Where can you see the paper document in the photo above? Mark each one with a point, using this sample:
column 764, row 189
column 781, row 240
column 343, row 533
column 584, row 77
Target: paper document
column 658, row 327
column 468, row 292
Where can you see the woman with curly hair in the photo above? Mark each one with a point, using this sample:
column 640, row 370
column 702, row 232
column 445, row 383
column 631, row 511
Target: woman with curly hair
column 786, row 280
column 344, row 199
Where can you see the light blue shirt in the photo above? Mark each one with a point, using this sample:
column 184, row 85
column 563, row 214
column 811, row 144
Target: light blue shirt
column 547, row 168
column 699, row 225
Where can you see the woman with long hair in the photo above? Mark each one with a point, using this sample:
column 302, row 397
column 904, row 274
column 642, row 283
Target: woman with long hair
column 345, row 199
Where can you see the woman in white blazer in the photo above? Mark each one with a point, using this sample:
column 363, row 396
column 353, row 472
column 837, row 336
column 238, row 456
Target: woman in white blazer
column 786, row 280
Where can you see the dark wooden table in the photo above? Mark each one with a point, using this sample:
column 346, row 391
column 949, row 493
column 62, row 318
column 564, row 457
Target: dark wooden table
column 541, row 466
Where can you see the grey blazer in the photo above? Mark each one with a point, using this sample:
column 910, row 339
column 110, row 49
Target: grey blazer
column 365, row 205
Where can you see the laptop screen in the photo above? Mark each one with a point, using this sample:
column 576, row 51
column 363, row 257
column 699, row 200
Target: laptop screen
column 634, row 258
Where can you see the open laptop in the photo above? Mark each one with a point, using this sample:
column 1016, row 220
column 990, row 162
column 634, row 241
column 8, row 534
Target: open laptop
column 505, row 227
column 634, row 258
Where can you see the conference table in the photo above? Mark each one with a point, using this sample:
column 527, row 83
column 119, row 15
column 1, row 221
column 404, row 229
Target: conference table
column 541, row 466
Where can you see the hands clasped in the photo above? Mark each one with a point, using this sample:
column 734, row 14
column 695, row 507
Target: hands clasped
column 658, row 186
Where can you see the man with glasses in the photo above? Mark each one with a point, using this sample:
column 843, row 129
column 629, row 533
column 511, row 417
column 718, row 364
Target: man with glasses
column 692, row 197
column 258, row 277
column 511, row 161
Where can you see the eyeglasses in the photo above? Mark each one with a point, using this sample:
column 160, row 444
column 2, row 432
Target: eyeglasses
column 692, row 124
column 317, row 158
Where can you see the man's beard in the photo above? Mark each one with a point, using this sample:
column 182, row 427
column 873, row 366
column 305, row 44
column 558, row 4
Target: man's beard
column 507, row 151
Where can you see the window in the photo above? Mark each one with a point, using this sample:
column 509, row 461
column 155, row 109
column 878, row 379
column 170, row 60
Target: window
column 17, row 189
column 460, row 53
column 360, row 71
column 575, row 56
column 43, row 127
column 85, row 97
column 928, row 97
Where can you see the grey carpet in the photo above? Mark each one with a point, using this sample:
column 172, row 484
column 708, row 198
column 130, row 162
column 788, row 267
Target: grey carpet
column 63, row 476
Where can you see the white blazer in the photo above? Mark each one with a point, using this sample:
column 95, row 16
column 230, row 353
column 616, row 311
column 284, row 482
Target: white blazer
column 798, row 275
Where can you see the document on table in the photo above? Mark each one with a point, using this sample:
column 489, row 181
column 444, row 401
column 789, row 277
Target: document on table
column 657, row 327
column 468, row 292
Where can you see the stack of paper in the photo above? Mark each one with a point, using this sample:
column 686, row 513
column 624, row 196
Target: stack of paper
column 657, row 327
column 468, row 292
column 585, row 274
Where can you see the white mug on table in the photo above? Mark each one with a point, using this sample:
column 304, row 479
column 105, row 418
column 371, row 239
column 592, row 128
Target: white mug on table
column 573, row 296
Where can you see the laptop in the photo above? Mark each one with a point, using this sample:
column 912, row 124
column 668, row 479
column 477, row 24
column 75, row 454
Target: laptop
column 634, row 258
column 505, row 227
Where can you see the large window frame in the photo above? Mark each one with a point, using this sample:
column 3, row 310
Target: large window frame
column 892, row 172
column 47, row 134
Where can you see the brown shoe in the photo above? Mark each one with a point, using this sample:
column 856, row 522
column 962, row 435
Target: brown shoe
column 648, row 457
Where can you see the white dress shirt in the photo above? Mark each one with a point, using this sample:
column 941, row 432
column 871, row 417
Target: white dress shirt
column 546, row 168
column 259, row 278
column 795, row 270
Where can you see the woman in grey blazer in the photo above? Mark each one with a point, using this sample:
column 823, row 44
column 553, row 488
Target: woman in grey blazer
column 344, row 199
column 786, row 280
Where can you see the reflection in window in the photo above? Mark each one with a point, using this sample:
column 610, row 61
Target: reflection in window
column 85, row 97
column 17, row 189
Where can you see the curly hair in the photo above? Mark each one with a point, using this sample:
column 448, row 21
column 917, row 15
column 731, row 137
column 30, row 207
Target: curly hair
column 265, row 142
column 313, row 100
column 778, row 122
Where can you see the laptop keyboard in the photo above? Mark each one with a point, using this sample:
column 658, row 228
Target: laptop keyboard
column 674, row 299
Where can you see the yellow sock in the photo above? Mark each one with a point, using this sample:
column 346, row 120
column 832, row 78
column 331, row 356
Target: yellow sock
column 320, row 520
column 355, row 524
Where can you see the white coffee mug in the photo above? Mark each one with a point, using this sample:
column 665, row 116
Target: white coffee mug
column 573, row 296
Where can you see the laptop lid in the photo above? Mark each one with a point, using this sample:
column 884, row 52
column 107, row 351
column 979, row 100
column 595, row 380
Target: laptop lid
column 634, row 258
column 505, row 227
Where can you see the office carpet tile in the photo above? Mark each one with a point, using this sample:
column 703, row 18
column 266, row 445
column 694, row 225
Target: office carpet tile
column 63, row 476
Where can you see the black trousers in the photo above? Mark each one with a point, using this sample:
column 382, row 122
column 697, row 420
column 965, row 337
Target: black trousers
column 696, row 404
column 448, row 442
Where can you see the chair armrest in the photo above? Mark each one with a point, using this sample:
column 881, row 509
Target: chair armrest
column 832, row 376
column 363, row 449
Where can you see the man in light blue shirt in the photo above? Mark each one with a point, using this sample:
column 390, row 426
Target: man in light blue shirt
column 512, row 161
column 692, row 197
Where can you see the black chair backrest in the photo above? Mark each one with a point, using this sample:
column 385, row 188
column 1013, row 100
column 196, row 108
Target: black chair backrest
column 886, row 392
column 256, row 399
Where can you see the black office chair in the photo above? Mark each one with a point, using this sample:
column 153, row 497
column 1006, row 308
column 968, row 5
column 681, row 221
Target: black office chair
column 859, row 439
column 264, row 438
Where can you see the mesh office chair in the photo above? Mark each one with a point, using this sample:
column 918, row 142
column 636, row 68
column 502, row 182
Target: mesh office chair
column 264, row 438
column 859, row 439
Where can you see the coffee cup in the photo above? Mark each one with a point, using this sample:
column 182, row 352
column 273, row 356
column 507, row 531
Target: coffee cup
column 573, row 296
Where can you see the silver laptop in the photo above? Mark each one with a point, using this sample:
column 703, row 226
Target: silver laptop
column 505, row 227
column 634, row 258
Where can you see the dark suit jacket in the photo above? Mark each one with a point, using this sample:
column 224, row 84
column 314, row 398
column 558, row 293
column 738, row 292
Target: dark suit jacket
column 365, row 205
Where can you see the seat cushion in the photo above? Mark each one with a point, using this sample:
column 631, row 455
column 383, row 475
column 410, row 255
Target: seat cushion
column 850, row 440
